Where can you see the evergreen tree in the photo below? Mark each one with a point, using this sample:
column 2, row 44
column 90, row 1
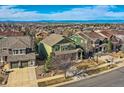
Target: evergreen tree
column 109, row 46
column 48, row 64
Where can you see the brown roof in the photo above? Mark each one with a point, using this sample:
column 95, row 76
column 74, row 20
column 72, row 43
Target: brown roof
column 52, row 39
column 107, row 34
column 91, row 35
column 30, row 56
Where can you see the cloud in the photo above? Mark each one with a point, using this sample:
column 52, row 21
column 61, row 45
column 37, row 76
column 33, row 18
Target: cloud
column 85, row 13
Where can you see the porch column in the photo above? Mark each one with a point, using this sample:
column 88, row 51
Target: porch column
column 19, row 64
column 77, row 56
column 103, row 49
column 81, row 55
column 1, row 59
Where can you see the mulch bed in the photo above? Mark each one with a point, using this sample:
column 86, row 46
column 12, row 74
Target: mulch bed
column 41, row 74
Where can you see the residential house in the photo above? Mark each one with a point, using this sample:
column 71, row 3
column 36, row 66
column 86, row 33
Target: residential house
column 120, row 35
column 90, row 41
column 16, row 51
column 41, row 35
column 112, row 37
column 59, row 47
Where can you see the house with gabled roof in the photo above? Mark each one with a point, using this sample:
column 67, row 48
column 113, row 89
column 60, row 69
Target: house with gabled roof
column 90, row 41
column 16, row 51
column 59, row 46
column 111, row 36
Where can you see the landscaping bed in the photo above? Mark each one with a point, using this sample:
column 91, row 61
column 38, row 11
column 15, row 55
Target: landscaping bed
column 98, row 70
column 53, row 81
column 119, row 54
column 40, row 73
column 88, row 64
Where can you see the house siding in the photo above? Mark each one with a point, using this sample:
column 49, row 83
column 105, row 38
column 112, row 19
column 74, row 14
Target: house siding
column 44, row 50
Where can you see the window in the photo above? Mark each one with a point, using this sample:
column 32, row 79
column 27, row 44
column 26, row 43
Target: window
column 4, row 49
column 56, row 48
column 21, row 51
column 10, row 51
column 81, row 41
column 16, row 51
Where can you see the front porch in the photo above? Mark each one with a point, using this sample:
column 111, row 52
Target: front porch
column 76, row 54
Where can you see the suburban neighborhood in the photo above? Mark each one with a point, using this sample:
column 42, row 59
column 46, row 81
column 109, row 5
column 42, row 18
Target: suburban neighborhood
column 58, row 54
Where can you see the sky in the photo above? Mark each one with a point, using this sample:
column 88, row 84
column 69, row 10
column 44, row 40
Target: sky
column 61, row 12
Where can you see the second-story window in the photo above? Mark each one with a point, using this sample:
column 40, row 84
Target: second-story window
column 18, row 51
column 22, row 51
column 15, row 51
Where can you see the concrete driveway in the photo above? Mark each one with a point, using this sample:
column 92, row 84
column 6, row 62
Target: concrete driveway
column 22, row 77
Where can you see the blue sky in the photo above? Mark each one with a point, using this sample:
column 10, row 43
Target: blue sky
column 61, row 12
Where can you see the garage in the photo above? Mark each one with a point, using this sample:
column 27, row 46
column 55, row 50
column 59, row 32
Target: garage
column 24, row 64
column 14, row 64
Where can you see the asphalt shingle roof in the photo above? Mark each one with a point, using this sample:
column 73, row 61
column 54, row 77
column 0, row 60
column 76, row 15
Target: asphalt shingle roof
column 30, row 56
column 15, row 42
column 52, row 39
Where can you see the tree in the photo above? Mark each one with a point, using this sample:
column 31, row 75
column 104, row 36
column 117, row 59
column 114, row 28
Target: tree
column 109, row 46
column 48, row 64
column 36, row 45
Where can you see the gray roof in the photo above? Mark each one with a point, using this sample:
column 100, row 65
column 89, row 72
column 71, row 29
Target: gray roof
column 30, row 56
column 15, row 42
column 52, row 39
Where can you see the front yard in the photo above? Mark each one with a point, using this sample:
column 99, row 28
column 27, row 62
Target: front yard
column 88, row 66
column 101, row 69
column 40, row 73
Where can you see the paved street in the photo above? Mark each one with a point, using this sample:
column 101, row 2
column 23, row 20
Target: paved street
column 111, row 79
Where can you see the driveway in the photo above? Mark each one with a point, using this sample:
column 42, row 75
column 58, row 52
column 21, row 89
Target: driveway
column 22, row 77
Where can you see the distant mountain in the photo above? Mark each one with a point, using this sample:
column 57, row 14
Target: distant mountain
column 73, row 21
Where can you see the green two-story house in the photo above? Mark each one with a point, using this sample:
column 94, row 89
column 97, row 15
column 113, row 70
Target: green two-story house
column 91, row 42
column 60, row 47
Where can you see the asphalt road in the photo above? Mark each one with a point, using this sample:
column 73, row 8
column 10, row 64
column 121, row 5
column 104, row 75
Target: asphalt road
column 112, row 79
